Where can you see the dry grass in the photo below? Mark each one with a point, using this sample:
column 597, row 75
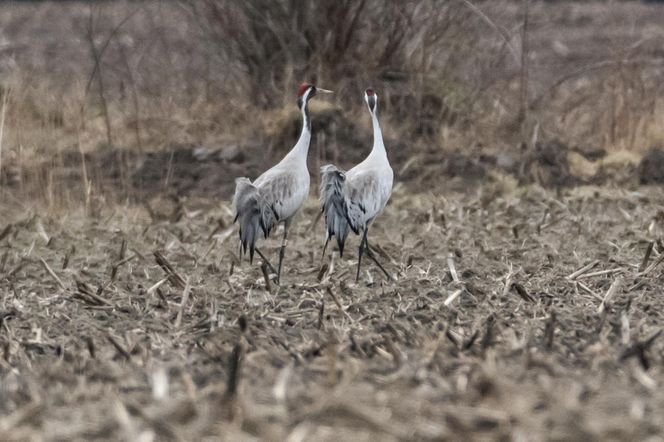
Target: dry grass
column 456, row 85
column 103, row 342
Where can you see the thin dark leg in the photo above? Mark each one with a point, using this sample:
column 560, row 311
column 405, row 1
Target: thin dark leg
column 359, row 257
column 322, row 256
column 267, row 263
column 282, row 250
column 371, row 255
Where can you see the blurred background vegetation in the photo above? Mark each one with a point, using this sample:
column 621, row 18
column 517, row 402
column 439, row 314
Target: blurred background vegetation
column 125, row 100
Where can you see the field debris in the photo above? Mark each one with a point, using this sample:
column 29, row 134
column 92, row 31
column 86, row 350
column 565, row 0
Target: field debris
column 485, row 333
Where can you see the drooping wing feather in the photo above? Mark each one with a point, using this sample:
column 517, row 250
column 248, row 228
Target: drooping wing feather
column 333, row 204
column 282, row 195
column 248, row 207
column 260, row 206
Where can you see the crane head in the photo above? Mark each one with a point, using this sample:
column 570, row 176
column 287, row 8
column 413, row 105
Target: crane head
column 372, row 99
column 307, row 91
column 304, row 87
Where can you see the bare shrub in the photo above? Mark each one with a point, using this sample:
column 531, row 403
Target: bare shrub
column 270, row 45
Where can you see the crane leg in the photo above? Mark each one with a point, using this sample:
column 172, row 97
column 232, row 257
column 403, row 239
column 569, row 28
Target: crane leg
column 359, row 254
column 322, row 256
column 282, row 250
column 267, row 263
column 371, row 256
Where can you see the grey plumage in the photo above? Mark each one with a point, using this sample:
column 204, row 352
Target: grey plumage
column 352, row 200
column 256, row 218
column 334, row 205
column 273, row 197
column 277, row 194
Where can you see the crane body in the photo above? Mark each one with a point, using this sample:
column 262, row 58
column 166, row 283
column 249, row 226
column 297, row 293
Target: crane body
column 276, row 195
column 352, row 200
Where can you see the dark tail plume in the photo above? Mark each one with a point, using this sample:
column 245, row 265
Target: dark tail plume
column 334, row 206
column 248, row 213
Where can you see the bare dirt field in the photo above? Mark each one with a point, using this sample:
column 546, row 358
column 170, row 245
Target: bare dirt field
column 523, row 315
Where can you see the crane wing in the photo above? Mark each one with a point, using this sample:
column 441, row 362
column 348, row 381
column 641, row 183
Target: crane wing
column 259, row 206
column 334, row 205
column 365, row 196
column 279, row 193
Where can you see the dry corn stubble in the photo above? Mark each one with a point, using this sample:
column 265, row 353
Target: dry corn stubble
column 512, row 342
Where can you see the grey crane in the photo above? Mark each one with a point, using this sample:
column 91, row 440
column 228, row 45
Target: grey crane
column 352, row 200
column 276, row 195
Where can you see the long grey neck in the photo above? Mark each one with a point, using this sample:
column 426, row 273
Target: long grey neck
column 301, row 148
column 378, row 149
